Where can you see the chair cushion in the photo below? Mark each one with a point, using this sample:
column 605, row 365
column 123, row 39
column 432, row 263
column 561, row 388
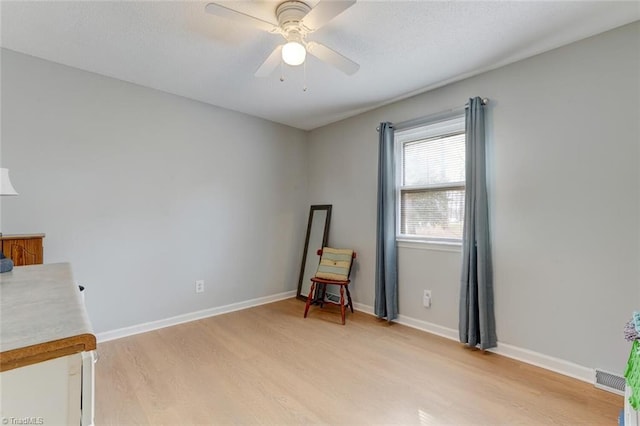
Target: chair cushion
column 334, row 264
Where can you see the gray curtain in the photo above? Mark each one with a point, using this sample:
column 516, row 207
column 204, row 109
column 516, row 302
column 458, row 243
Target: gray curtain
column 386, row 300
column 477, row 325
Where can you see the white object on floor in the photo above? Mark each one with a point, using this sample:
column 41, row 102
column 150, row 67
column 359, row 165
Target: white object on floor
column 631, row 416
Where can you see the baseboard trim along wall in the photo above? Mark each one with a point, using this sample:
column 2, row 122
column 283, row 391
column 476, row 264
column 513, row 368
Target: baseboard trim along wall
column 527, row 356
column 191, row 316
column 557, row 365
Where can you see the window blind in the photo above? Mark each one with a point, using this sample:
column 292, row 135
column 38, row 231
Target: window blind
column 432, row 181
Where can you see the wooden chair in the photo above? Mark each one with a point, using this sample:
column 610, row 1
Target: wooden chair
column 334, row 268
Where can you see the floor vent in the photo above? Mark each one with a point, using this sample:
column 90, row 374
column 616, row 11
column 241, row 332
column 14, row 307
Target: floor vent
column 332, row 297
column 610, row 382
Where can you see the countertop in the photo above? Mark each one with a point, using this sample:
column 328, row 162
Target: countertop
column 42, row 315
column 20, row 236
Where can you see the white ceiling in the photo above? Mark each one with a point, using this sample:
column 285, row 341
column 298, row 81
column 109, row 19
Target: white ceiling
column 403, row 48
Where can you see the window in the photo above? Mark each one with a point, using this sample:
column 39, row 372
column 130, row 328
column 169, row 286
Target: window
column 430, row 169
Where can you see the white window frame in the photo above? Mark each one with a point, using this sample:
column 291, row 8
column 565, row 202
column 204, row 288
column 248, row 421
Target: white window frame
column 428, row 129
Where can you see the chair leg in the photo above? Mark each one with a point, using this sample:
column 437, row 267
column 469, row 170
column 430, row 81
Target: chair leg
column 342, row 310
column 349, row 298
column 309, row 297
column 322, row 293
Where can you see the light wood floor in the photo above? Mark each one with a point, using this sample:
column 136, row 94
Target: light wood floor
column 268, row 365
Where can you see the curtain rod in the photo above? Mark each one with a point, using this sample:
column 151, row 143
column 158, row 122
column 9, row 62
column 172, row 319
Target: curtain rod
column 432, row 117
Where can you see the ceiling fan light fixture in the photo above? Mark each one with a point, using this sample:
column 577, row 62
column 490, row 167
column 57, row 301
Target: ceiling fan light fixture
column 293, row 53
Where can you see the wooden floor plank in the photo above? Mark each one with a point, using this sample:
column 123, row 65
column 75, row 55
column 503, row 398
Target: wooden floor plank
column 268, row 365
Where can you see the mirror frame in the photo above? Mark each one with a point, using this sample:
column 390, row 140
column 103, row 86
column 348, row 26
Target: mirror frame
column 325, row 238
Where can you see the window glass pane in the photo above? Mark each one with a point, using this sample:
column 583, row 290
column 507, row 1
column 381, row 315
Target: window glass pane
column 432, row 213
column 433, row 161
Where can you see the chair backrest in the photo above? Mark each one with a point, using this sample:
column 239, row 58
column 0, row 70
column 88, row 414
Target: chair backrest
column 335, row 264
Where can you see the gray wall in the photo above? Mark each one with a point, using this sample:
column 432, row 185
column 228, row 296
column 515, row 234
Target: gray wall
column 146, row 192
column 565, row 199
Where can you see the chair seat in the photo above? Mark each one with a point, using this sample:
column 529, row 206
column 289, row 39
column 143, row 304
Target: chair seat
column 326, row 281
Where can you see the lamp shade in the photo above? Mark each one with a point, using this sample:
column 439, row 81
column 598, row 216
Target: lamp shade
column 293, row 53
column 5, row 184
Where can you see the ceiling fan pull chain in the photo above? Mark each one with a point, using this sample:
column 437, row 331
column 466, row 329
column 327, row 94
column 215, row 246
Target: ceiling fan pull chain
column 281, row 71
column 304, row 70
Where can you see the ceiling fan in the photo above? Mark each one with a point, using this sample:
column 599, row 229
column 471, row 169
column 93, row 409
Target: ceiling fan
column 296, row 20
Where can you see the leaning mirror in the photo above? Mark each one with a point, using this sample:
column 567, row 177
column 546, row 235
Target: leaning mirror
column 317, row 236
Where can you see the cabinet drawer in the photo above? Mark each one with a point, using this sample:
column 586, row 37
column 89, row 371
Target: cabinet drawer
column 23, row 251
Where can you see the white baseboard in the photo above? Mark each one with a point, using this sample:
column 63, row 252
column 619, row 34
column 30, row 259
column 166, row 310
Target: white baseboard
column 557, row 365
column 527, row 356
column 429, row 327
column 191, row 316
column 363, row 308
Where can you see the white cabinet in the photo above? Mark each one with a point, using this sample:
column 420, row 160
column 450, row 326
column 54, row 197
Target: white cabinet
column 54, row 392
column 88, row 387
column 631, row 417
column 47, row 392
column 46, row 362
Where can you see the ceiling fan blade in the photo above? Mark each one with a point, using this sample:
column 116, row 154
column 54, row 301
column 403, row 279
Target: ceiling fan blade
column 332, row 57
column 324, row 12
column 271, row 63
column 225, row 12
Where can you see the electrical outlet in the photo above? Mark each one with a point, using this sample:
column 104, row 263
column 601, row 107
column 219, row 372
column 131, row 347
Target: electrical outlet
column 426, row 299
column 200, row 286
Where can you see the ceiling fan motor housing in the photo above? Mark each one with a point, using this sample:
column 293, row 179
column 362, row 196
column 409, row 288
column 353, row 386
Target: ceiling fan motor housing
column 289, row 14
